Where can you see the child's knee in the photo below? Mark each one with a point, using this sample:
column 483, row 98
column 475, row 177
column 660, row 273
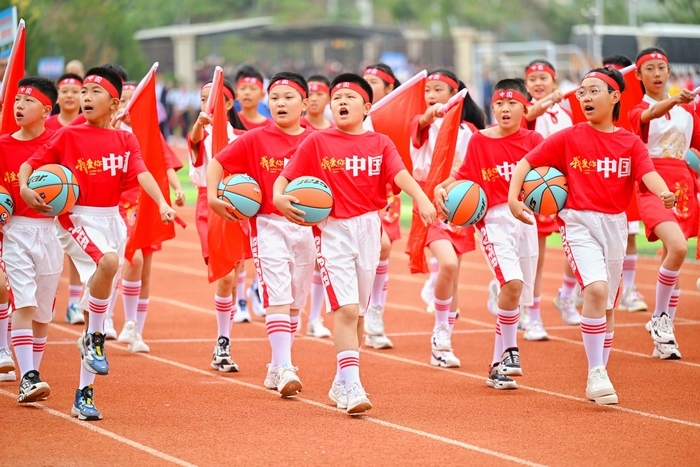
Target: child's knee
column 596, row 292
column 137, row 260
column 109, row 264
column 511, row 290
column 449, row 268
column 347, row 315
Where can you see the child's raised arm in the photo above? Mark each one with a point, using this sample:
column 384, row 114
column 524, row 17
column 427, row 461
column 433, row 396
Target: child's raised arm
column 517, row 207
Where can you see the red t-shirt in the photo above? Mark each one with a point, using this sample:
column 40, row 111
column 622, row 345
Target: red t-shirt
column 304, row 122
column 104, row 161
column 601, row 168
column 53, row 123
column 251, row 126
column 13, row 153
column 490, row 161
column 79, row 120
column 262, row 153
column 357, row 168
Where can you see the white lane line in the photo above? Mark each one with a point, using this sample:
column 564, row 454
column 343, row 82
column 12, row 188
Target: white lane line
column 200, row 340
column 89, row 426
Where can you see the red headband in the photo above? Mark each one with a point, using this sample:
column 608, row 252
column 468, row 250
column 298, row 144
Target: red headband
column 445, row 79
column 102, row 82
column 250, row 80
column 540, row 67
column 383, row 75
column 319, row 87
column 227, row 91
column 602, row 76
column 67, row 81
column 353, row 87
column 36, row 94
column 613, row 66
column 291, row 84
column 128, row 87
column 508, row 94
column 651, row 56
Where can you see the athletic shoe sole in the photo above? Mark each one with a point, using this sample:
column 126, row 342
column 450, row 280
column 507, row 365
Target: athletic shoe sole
column 291, row 388
column 76, row 412
column 336, row 400
column 39, row 392
column 602, row 399
column 510, row 371
column 501, row 385
column 442, row 363
column 359, row 407
column 378, row 342
column 7, row 366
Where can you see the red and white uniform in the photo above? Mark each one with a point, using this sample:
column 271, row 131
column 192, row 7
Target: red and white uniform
column 510, row 246
column 284, row 253
column 601, row 169
column 668, row 139
column 31, row 253
column 251, row 126
column 357, row 168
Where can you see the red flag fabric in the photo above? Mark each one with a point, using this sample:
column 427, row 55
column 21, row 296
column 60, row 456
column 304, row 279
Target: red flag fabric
column 227, row 241
column 443, row 157
column 391, row 114
column 13, row 73
column 149, row 229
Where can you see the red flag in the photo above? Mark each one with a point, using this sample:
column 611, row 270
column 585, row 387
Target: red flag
column 392, row 113
column 440, row 167
column 142, row 108
column 227, row 242
column 13, row 73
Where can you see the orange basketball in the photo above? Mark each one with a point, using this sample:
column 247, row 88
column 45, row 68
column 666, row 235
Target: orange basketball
column 545, row 190
column 466, row 203
column 7, row 206
column 315, row 198
column 244, row 194
column 57, row 187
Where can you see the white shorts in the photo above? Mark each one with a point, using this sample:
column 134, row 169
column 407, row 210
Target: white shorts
column 511, row 249
column 633, row 228
column 348, row 255
column 595, row 244
column 33, row 262
column 284, row 256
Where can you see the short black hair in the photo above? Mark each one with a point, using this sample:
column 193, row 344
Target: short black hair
column 619, row 79
column 291, row 76
column 618, row 60
column 540, row 61
column 69, row 76
column 108, row 74
column 248, row 71
column 318, row 79
column 510, row 84
column 449, row 74
column 45, row 85
column 355, row 79
column 119, row 69
column 386, row 69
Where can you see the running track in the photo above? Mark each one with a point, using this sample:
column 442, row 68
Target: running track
column 169, row 407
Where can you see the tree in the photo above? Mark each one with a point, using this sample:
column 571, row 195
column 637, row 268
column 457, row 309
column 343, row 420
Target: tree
column 682, row 11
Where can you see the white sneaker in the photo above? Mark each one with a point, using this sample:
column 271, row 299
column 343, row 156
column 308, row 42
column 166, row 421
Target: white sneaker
column 524, row 319
column 288, row 383
column 441, row 337
column 139, row 346
column 599, row 387
column 242, row 315
column 378, row 342
column 666, row 351
column 661, row 329
column 271, row 377
column 7, row 364
column 8, row 377
column 338, row 394
column 128, row 334
column 254, row 298
column 110, row 332
column 535, row 331
column 316, row 329
column 374, row 320
column 427, row 294
column 357, row 399
column 492, row 303
column 632, row 301
column 569, row 313
column 444, row 359
column 577, row 296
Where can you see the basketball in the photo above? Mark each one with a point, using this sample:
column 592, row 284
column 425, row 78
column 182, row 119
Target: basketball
column 57, row 187
column 315, row 198
column 7, row 206
column 545, row 190
column 466, row 203
column 243, row 193
column 692, row 159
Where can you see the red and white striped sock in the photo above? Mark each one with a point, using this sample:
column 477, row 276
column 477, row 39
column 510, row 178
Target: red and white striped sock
column 38, row 351
column 294, row 325
column 451, row 318
column 665, row 283
column 567, row 286
column 607, row 346
column 629, row 270
column 130, row 296
column 141, row 314
column 508, row 320
column 279, row 333
column 375, row 299
column 673, row 303
column 74, row 294
column 317, row 297
column 593, row 333
column 86, row 378
column 534, row 310
column 349, row 363
column 442, row 311
column 4, row 323
column 240, row 287
column 385, row 290
column 8, row 334
column 97, row 309
column 497, row 346
column 224, row 314
column 23, row 342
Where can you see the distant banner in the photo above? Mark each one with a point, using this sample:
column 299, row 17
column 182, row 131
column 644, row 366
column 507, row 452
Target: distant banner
column 50, row 67
column 8, row 27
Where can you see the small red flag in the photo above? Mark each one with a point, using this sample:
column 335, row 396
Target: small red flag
column 13, row 73
column 440, row 167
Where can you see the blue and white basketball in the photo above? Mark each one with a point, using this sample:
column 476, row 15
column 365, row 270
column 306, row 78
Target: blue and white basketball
column 57, row 187
column 315, row 198
column 243, row 193
column 466, row 203
column 7, row 206
column 692, row 159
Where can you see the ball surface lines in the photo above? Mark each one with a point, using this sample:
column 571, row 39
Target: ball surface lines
column 545, row 190
column 57, row 187
column 466, row 203
column 7, row 206
column 315, row 198
column 242, row 193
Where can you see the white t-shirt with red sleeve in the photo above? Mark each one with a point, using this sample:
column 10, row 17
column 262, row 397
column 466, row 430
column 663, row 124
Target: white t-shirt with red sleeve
column 490, row 161
column 423, row 145
column 262, row 153
column 601, row 168
column 357, row 168
column 103, row 161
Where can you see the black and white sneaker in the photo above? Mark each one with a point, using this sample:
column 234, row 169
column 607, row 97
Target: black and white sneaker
column 221, row 360
column 510, row 363
column 32, row 389
column 499, row 381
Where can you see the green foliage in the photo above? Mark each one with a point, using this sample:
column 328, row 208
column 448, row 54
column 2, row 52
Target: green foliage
column 682, row 11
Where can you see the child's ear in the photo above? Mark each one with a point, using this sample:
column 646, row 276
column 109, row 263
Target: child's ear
column 368, row 106
column 114, row 105
column 228, row 104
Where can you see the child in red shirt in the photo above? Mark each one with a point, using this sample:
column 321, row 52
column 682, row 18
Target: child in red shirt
column 249, row 92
